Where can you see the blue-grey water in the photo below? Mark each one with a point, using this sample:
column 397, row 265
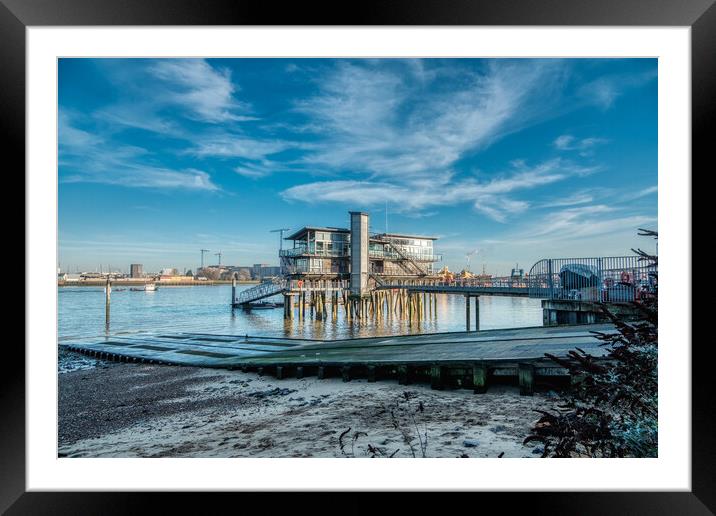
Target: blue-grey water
column 81, row 313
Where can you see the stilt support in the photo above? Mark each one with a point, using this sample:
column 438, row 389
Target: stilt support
column 436, row 377
column 403, row 375
column 479, row 378
column 371, row 373
column 527, row 379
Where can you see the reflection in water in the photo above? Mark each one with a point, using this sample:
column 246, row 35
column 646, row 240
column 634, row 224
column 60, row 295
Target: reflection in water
column 206, row 309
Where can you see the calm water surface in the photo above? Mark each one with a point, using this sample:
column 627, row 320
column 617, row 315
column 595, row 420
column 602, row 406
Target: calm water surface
column 206, row 309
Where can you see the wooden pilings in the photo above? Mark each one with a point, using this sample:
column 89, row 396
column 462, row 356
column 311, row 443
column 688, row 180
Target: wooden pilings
column 467, row 312
column 315, row 297
column 526, row 375
column 403, row 375
column 479, row 378
column 436, row 377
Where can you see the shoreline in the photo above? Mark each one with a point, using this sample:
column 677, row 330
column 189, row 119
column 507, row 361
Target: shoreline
column 136, row 283
column 139, row 410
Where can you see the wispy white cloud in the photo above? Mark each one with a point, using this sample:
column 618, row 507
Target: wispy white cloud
column 638, row 194
column 147, row 177
column 207, row 93
column 604, row 90
column 491, row 197
column 373, row 120
column 236, row 146
column 394, row 147
column 88, row 158
column 584, row 146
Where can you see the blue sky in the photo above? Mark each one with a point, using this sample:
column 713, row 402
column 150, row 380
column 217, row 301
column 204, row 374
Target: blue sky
column 518, row 159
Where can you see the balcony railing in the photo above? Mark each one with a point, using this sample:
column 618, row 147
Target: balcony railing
column 372, row 253
column 305, row 251
column 392, row 255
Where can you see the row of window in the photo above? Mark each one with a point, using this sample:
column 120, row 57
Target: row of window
column 327, row 236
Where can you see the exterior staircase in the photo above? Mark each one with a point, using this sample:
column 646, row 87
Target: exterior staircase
column 397, row 249
column 262, row 290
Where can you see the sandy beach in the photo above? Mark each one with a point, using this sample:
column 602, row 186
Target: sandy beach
column 137, row 410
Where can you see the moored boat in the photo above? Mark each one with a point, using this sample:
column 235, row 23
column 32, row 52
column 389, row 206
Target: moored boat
column 149, row 287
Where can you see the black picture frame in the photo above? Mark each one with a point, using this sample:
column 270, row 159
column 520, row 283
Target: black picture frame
column 700, row 15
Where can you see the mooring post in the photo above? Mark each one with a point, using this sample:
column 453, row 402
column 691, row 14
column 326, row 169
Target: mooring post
column 527, row 379
column 467, row 312
column 107, row 292
column 288, row 306
column 477, row 313
column 479, row 377
column 233, row 290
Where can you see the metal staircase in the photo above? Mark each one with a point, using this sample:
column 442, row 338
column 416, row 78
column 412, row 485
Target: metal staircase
column 397, row 249
column 261, row 291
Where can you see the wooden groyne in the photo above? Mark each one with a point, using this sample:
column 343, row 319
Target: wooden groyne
column 456, row 359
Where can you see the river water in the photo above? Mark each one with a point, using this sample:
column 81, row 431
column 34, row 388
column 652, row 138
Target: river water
column 81, row 313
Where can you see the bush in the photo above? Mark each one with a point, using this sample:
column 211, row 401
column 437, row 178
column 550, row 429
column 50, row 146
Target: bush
column 613, row 411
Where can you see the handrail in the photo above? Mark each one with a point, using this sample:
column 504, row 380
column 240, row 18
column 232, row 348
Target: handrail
column 404, row 257
column 267, row 289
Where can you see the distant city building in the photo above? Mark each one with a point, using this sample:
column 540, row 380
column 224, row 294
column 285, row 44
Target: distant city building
column 170, row 271
column 136, row 270
column 263, row 270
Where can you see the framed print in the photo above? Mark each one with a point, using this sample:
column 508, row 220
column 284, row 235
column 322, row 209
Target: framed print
column 425, row 235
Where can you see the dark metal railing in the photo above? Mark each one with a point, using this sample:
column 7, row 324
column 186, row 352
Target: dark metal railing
column 616, row 279
column 262, row 290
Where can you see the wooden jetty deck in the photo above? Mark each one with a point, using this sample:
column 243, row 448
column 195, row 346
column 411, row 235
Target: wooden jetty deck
column 457, row 359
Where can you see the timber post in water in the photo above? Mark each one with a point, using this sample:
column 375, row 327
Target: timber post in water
column 233, row 289
column 107, row 292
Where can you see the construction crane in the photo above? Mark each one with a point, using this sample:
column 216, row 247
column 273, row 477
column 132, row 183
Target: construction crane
column 468, row 256
column 219, row 255
column 202, row 256
column 280, row 238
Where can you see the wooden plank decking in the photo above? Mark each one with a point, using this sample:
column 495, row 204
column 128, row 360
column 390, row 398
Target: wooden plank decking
column 466, row 357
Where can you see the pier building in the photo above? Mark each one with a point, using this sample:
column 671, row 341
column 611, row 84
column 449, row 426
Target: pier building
column 356, row 254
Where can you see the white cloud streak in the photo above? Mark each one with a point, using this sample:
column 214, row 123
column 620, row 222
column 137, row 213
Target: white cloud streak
column 89, row 158
column 490, row 197
column 206, row 92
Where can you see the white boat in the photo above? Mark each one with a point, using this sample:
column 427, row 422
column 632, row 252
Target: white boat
column 149, row 287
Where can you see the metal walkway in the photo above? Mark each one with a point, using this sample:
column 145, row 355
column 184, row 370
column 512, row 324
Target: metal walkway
column 261, row 291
